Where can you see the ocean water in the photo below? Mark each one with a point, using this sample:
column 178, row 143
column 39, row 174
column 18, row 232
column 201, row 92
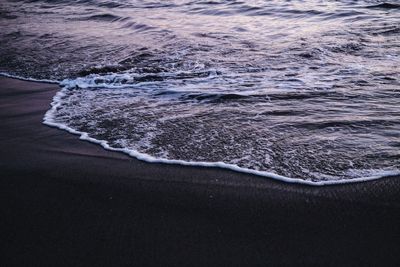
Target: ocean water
column 303, row 91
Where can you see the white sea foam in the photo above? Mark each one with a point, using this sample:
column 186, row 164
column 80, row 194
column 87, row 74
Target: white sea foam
column 49, row 119
column 99, row 81
column 4, row 74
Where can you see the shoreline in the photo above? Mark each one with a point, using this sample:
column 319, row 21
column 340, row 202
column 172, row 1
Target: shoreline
column 67, row 202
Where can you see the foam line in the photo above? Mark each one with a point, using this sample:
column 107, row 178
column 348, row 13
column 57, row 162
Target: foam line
column 48, row 120
column 4, row 74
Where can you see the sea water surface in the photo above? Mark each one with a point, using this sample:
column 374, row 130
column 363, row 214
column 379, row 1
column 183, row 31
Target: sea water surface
column 302, row 90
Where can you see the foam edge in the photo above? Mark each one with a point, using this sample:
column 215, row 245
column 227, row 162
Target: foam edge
column 7, row 75
column 48, row 120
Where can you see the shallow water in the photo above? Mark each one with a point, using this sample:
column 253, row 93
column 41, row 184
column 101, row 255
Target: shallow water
column 303, row 89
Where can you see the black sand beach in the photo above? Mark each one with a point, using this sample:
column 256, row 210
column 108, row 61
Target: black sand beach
column 66, row 202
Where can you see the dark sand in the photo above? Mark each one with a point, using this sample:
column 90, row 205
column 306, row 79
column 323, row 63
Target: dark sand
column 66, row 202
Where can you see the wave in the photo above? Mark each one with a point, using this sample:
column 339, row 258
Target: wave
column 385, row 5
column 49, row 120
column 259, row 88
column 107, row 17
column 80, row 83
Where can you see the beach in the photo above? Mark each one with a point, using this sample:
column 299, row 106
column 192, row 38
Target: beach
column 68, row 202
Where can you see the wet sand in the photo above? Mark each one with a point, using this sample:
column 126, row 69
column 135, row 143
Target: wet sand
column 67, row 202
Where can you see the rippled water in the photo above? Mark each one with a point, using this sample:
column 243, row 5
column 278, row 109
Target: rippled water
column 306, row 89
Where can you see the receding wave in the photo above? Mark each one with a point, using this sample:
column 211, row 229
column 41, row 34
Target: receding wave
column 151, row 121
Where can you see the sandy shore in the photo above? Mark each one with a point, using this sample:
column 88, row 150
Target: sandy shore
column 66, row 202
